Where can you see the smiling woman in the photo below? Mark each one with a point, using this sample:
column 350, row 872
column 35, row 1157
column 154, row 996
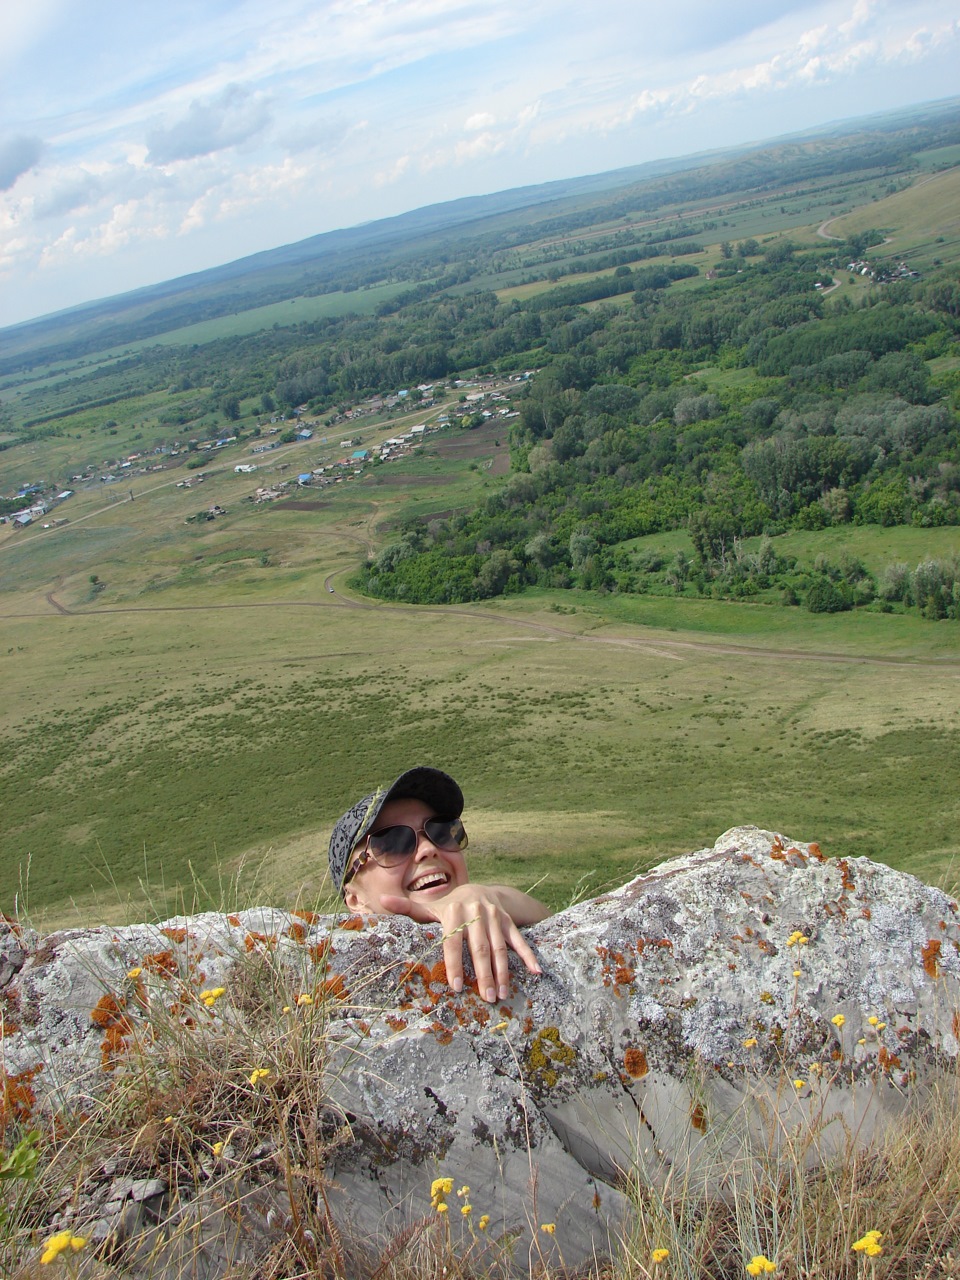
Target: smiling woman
column 399, row 851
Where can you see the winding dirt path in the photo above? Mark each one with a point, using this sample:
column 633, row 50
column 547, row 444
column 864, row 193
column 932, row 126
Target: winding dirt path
column 666, row 645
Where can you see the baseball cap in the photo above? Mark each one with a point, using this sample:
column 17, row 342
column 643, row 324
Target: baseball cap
column 433, row 786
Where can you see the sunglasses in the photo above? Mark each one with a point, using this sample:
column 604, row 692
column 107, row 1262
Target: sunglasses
column 390, row 846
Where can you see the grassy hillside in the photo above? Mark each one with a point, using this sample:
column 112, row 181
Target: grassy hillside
column 191, row 702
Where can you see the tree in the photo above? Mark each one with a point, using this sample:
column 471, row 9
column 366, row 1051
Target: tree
column 230, row 407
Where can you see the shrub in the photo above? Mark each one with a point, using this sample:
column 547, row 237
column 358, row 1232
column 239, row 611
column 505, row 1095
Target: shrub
column 825, row 596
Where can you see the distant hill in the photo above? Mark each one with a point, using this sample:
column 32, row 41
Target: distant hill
column 411, row 245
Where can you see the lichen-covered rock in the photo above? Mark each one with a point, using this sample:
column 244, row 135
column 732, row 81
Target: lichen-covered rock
column 713, row 1008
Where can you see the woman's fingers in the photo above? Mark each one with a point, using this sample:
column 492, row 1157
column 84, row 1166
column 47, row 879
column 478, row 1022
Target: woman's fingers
column 485, row 927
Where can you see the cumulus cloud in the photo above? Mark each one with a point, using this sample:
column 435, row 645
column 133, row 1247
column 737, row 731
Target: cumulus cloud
column 17, row 157
column 233, row 116
column 479, row 120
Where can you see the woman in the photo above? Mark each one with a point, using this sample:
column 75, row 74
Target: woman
column 399, row 851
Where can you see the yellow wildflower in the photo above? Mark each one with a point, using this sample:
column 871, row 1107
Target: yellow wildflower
column 135, row 972
column 861, row 1041
column 286, row 1008
column 261, row 1073
column 168, row 1119
column 659, row 1255
column 796, row 939
column 838, row 1019
column 440, row 1187
column 441, row 1207
column 57, row 1244
column 873, row 1020
column 881, row 1025
column 548, row 1228
column 217, row 1148
column 212, row 995
column 869, row 1244
column 464, row 1191
column 501, row 1026
column 751, row 1043
column 466, row 1210
column 799, row 1084
column 304, row 999
column 484, row 1221
column 760, row 1265
column 796, row 973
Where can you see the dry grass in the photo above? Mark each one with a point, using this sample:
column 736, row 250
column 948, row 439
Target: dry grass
column 225, row 1101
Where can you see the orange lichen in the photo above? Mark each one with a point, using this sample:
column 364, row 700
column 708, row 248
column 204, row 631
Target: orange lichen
column 930, row 952
column 777, row 845
column 814, row 850
column 17, row 1100
column 114, row 1043
column 320, row 951
column 866, row 914
column 698, row 1118
column 778, row 855
column 352, row 922
column 308, row 917
column 297, row 932
column 234, row 920
column 766, row 947
column 161, row 963
column 395, row 1023
column 254, row 940
column 175, row 935
column 438, row 972
column 846, row 879
column 886, row 1059
column 107, row 1011
column 635, row 1062
column 334, row 988
column 624, row 975
column 444, row 1034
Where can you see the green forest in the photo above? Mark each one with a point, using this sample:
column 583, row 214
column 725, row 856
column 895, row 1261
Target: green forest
column 837, row 420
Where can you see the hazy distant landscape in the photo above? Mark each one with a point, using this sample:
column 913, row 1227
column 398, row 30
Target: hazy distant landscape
column 668, row 539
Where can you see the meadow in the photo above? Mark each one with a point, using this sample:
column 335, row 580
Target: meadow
column 201, row 719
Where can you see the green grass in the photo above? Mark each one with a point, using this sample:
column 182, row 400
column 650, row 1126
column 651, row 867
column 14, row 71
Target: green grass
column 214, row 705
column 922, row 222
column 289, row 312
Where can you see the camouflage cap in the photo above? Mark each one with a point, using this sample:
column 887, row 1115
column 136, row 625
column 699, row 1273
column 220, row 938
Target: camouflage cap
column 433, row 786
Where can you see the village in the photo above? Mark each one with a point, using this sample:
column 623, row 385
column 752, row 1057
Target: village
column 478, row 401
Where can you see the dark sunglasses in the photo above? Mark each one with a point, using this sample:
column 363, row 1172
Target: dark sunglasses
column 390, row 846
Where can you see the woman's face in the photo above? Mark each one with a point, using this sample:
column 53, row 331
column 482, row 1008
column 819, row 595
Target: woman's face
column 428, row 873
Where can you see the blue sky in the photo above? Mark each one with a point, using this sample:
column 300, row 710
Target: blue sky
column 144, row 141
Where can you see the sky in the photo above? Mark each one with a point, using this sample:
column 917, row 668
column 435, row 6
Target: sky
column 141, row 141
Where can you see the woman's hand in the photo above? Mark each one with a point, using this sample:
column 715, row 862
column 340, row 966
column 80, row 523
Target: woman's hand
column 485, row 917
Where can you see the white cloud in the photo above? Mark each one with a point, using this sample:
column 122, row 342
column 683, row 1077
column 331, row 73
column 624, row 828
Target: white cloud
column 480, row 120
column 233, row 116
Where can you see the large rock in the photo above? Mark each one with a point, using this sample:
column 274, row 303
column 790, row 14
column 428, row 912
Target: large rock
column 729, row 1001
